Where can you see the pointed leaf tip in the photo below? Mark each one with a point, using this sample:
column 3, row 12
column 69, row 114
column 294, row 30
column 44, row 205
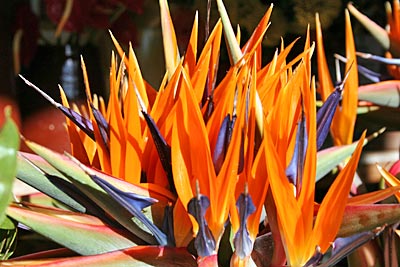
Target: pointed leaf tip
column 83, row 123
column 103, row 125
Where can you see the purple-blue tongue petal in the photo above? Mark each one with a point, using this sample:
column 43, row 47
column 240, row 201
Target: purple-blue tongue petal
column 384, row 60
column 103, row 125
column 294, row 171
column 163, row 149
column 327, row 111
column 325, row 115
column 219, row 151
column 367, row 73
column 223, row 140
column 370, row 74
column 83, row 123
column 242, row 241
column 204, row 241
column 209, row 108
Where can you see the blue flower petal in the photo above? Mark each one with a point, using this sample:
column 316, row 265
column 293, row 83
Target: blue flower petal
column 325, row 115
column 294, row 171
column 163, row 149
column 103, row 125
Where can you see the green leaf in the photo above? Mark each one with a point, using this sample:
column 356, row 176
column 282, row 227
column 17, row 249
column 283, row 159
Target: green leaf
column 385, row 93
column 82, row 233
column 8, row 234
column 86, row 185
column 329, row 158
column 31, row 175
column 9, row 144
column 141, row 256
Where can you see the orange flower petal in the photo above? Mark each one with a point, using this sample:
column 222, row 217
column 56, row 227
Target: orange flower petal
column 328, row 217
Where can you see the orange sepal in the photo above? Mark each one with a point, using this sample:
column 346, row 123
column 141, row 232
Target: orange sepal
column 191, row 51
column 390, row 180
column 117, row 144
column 289, row 213
column 254, row 43
column 375, row 196
column 325, row 82
column 171, row 51
column 134, row 139
column 344, row 120
column 328, row 220
column 206, row 67
column 75, row 135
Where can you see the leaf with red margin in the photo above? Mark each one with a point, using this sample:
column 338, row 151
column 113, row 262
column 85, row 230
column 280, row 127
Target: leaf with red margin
column 329, row 158
column 383, row 93
column 85, row 184
column 72, row 230
column 141, row 256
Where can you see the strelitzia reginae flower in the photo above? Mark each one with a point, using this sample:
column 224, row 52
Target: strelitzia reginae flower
column 389, row 37
column 195, row 162
column 345, row 116
column 382, row 92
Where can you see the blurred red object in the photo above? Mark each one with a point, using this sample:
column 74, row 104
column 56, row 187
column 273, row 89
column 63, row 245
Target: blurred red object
column 47, row 127
column 89, row 13
column 395, row 169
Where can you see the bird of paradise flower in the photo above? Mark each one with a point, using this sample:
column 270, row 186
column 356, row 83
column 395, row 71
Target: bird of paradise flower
column 212, row 152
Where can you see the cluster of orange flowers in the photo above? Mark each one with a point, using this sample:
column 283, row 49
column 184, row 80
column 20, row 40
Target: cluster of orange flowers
column 213, row 152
